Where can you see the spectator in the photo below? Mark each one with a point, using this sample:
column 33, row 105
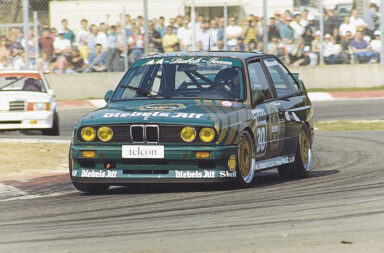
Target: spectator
column 219, row 46
column 252, row 46
column 5, row 63
column 136, row 45
column 161, row 28
column 169, row 40
column 250, row 31
column 53, row 33
column 273, row 46
column 172, row 23
column 179, row 22
column 31, row 47
column 315, row 47
column 273, row 30
column 83, row 32
column 112, row 38
column 356, row 21
column 139, row 21
column 304, row 18
column 286, row 31
column 376, row 43
column 4, row 51
column 308, row 37
column 14, row 46
column 282, row 53
column 371, row 18
column 184, row 34
column 298, row 30
column 330, row 21
column 296, row 54
column 97, row 60
column 61, row 45
column 259, row 46
column 361, row 51
column 68, row 33
column 345, row 43
column 346, row 26
column 199, row 46
column 83, row 47
column 92, row 38
column 101, row 37
column 278, row 18
column 215, row 33
column 128, row 25
column 77, row 63
column 43, row 63
column 239, row 46
column 46, row 42
column 233, row 32
column 331, row 50
column 18, row 60
column 203, row 35
column 155, row 38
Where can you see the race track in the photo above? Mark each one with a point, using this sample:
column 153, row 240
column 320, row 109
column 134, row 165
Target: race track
column 340, row 208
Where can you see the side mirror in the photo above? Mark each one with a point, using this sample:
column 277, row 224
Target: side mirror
column 302, row 87
column 257, row 97
column 108, row 95
column 51, row 92
column 296, row 76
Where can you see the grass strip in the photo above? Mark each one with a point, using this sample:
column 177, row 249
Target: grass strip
column 375, row 88
column 361, row 125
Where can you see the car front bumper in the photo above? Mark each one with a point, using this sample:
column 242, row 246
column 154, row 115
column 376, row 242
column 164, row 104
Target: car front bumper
column 178, row 165
column 25, row 120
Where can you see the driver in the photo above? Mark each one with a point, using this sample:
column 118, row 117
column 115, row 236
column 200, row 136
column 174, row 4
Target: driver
column 31, row 85
column 229, row 81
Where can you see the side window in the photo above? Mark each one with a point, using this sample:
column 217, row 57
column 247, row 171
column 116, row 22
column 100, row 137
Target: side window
column 257, row 79
column 283, row 81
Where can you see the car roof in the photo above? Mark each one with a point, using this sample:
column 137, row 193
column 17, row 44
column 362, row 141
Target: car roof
column 22, row 73
column 231, row 54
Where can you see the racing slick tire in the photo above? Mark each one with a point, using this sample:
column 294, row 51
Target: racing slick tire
column 246, row 150
column 84, row 187
column 54, row 131
column 303, row 162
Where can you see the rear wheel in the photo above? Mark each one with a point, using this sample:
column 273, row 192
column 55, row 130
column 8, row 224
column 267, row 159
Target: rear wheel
column 84, row 187
column 303, row 162
column 245, row 155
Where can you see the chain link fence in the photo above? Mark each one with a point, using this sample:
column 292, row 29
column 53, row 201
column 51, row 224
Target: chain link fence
column 96, row 36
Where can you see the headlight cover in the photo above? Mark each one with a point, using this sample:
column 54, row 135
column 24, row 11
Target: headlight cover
column 38, row 106
column 105, row 133
column 88, row 133
column 188, row 134
column 207, row 134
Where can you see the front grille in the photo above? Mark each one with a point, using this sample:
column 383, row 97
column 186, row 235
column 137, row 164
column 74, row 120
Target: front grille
column 146, row 172
column 145, row 133
column 137, row 133
column 16, row 105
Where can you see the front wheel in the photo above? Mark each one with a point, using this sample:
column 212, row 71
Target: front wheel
column 245, row 156
column 54, row 131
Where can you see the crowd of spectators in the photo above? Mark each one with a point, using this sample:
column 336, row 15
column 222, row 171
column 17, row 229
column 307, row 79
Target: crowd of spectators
column 293, row 37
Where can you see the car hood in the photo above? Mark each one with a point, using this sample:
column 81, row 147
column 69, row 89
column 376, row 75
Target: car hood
column 179, row 112
column 6, row 96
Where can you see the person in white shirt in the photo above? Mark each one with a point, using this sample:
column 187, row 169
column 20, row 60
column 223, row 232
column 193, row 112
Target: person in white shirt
column 204, row 37
column 347, row 26
column 83, row 32
column 101, row 37
column 233, row 32
column 331, row 50
column 298, row 30
column 215, row 32
column 61, row 46
column 184, row 34
column 375, row 44
column 355, row 20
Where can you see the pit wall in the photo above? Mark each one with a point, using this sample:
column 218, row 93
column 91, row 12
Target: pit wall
column 94, row 85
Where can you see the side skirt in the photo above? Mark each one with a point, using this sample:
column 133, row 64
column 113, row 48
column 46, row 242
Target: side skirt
column 271, row 163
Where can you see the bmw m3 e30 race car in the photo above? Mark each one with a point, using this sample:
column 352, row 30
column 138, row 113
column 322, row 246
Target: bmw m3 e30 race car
column 196, row 117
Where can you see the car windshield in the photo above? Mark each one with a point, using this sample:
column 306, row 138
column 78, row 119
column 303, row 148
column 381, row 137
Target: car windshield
column 20, row 83
column 183, row 77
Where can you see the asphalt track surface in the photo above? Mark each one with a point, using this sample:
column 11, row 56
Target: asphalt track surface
column 339, row 208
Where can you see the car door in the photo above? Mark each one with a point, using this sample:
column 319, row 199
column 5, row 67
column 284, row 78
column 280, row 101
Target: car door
column 269, row 129
column 290, row 100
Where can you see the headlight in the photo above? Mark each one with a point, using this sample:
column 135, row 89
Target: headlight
column 38, row 106
column 105, row 133
column 188, row 134
column 88, row 133
column 207, row 134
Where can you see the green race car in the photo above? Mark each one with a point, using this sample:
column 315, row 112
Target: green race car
column 196, row 117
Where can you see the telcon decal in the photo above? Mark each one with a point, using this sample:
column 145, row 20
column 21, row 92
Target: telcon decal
column 195, row 174
column 153, row 114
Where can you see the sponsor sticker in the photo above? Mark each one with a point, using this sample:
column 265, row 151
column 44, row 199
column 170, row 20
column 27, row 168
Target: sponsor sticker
column 161, row 107
column 147, row 115
column 226, row 103
column 231, row 174
column 232, row 163
column 142, row 151
column 98, row 173
column 194, row 174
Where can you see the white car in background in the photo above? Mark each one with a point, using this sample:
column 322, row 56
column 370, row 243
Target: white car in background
column 27, row 102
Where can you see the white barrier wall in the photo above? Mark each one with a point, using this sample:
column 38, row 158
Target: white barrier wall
column 94, row 85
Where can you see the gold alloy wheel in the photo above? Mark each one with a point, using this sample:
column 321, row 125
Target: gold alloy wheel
column 245, row 157
column 305, row 150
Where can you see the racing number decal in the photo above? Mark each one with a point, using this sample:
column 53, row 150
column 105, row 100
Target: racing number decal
column 261, row 131
column 261, row 139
